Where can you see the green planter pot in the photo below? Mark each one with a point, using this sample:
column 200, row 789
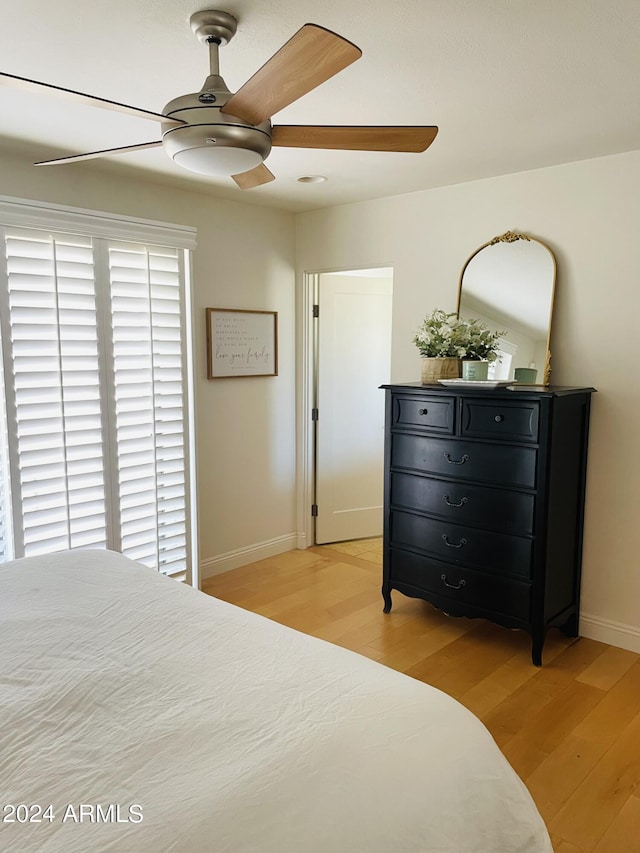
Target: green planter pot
column 476, row 371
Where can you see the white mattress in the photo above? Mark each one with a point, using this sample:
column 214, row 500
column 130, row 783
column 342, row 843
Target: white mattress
column 225, row 731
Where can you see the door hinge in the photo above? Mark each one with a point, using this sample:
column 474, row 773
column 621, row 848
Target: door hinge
column 314, row 510
column 316, row 310
column 314, row 414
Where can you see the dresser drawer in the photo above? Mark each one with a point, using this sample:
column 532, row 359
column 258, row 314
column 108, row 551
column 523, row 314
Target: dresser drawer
column 470, row 546
column 432, row 413
column 464, row 503
column 489, row 463
column 485, row 592
column 502, row 420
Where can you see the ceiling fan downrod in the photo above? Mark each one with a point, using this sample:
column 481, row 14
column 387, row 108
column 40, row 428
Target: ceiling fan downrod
column 214, row 56
column 213, row 28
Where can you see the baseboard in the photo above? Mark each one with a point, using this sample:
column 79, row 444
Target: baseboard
column 304, row 540
column 606, row 631
column 251, row 554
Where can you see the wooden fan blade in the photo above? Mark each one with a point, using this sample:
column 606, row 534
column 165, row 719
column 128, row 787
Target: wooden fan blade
column 254, row 177
column 413, row 139
column 310, row 57
column 73, row 158
column 80, row 97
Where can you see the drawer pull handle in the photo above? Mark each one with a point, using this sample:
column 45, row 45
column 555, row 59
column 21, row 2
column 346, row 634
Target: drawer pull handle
column 461, row 502
column 423, row 412
column 499, row 418
column 462, row 583
column 462, row 542
column 461, row 461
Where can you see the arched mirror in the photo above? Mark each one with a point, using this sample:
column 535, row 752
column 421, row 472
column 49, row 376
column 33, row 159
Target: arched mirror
column 508, row 284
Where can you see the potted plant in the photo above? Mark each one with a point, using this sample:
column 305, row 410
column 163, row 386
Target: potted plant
column 440, row 341
column 480, row 349
column 444, row 340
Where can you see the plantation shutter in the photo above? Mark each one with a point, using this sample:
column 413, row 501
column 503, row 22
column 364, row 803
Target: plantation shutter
column 148, row 384
column 6, row 549
column 94, row 427
column 58, row 481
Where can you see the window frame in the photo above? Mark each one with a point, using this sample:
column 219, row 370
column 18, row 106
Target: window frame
column 99, row 226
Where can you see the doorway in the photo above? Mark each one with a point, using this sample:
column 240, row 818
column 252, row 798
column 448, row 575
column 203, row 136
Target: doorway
column 352, row 358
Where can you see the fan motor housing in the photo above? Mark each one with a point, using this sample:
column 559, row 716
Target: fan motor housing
column 212, row 142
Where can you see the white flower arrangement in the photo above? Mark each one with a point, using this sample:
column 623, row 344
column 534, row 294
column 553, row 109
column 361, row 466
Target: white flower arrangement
column 439, row 336
column 443, row 335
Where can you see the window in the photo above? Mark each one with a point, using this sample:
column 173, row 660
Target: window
column 501, row 369
column 94, row 422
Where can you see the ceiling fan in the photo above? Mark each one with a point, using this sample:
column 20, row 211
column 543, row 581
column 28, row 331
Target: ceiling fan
column 216, row 132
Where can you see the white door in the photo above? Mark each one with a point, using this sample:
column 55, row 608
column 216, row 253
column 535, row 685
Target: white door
column 354, row 355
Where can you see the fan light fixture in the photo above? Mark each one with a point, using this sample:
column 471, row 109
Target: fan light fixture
column 217, row 161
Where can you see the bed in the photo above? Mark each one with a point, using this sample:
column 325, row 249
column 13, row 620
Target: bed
column 138, row 714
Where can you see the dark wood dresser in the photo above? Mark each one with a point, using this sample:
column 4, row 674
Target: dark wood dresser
column 484, row 502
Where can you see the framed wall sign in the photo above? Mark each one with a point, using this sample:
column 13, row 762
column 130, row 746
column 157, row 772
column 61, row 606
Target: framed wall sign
column 241, row 343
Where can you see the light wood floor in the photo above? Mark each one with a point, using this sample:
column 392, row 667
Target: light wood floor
column 570, row 729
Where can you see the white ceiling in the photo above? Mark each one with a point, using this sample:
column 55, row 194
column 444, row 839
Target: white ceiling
column 512, row 84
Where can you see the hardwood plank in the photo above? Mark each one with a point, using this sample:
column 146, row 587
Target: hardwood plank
column 595, row 803
column 353, row 603
column 517, row 711
column 616, row 710
column 609, row 668
column 569, row 764
column 403, row 655
column 557, row 776
column 490, row 651
column 562, row 714
column 353, row 560
column 364, row 626
column 521, row 708
column 562, row 846
column 260, row 576
column 579, row 655
column 623, row 835
column 499, row 684
column 323, row 590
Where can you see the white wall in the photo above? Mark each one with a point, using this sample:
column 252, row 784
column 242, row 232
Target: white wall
column 589, row 214
column 245, row 445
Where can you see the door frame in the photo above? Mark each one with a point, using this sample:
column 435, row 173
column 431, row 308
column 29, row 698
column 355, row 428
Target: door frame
column 307, row 391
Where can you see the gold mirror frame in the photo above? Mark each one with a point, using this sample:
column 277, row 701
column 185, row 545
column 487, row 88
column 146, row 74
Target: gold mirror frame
column 513, row 237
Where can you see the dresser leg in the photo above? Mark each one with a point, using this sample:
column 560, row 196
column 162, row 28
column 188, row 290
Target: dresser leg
column 570, row 627
column 536, row 647
column 386, row 594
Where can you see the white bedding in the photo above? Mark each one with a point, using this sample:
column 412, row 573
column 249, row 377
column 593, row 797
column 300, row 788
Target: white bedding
column 225, row 731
